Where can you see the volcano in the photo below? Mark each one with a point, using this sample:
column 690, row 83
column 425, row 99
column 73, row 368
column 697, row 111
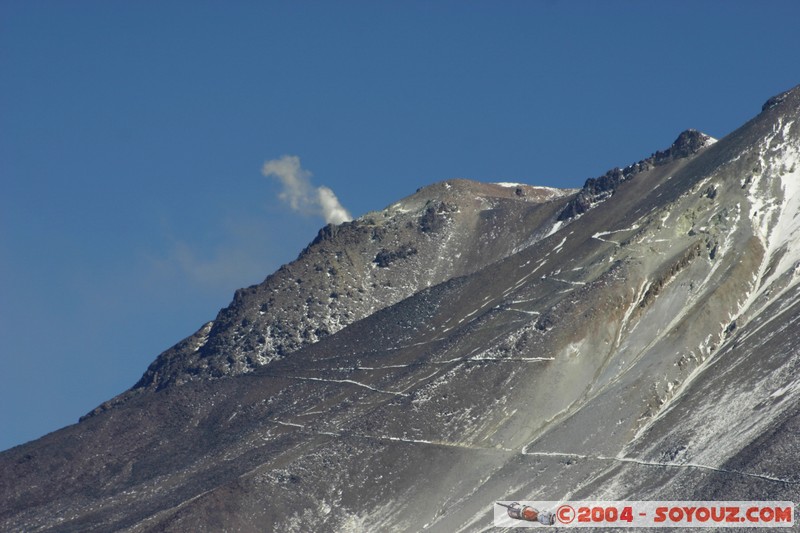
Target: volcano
column 633, row 339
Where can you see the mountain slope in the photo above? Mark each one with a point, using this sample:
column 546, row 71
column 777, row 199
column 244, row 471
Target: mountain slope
column 643, row 346
column 443, row 231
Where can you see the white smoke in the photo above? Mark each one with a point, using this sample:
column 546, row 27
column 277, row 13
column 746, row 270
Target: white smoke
column 301, row 194
column 331, row 208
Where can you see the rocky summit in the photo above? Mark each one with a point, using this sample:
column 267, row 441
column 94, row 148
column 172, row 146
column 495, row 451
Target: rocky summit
column 632, row 340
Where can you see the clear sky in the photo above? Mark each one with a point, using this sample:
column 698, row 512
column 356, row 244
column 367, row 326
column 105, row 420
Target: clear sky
column 133, row 134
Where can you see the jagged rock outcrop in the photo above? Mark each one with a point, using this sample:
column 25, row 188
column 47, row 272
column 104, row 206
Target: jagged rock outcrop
column 645, row 351
column 596, row 190
column 775, row 100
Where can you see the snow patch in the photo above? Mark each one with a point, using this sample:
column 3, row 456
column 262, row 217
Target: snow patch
column 601, row 234
column 556, row 226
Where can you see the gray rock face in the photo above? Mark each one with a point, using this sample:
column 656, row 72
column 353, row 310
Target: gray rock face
column 646, row 349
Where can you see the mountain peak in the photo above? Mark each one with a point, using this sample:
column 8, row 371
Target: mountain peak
column 351, row 270
column 778, row 99
column 688, row 143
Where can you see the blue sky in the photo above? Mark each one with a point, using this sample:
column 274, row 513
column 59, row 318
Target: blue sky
column 132, row 136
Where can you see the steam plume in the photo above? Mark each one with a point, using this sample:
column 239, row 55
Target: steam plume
column 301, row 195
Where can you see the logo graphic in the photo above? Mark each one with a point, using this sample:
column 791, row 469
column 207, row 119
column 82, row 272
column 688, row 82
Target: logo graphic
column 528, row 513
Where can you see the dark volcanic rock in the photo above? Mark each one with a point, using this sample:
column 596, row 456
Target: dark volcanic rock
column 385, row 257
column 688, row 143
column 777, row 99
